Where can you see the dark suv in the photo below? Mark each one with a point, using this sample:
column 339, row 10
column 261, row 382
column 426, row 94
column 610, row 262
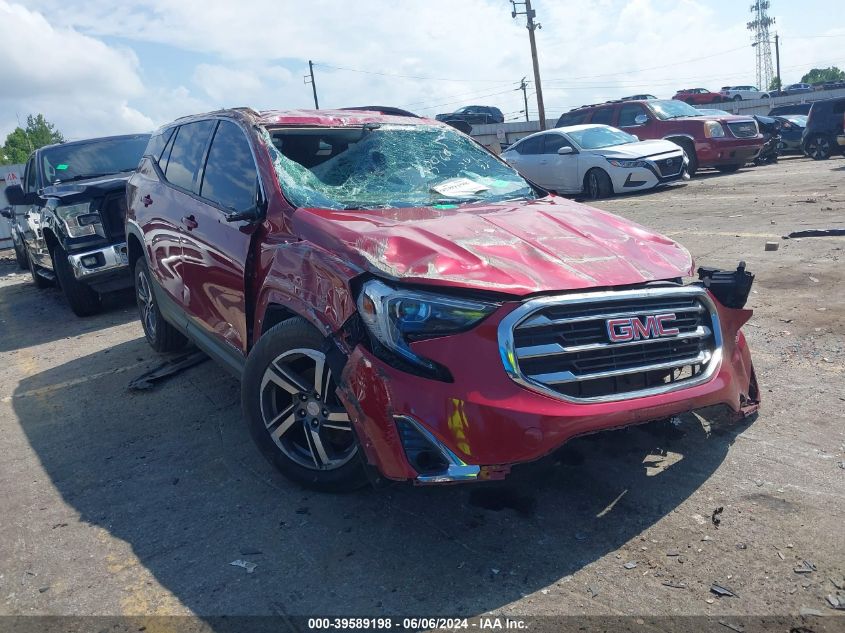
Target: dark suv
column 474, row 115
column 725, row 142
column 70, row 210
column 824, row 135
column 392, row 294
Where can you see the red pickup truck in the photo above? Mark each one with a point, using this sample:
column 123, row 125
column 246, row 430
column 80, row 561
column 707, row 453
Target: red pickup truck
column 398, row 301
column 724, row 142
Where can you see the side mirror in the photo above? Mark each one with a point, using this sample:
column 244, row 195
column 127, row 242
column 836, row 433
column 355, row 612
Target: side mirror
column 565, row 150
column 7, row 213
column 641, row 119
column 635, row 136
column 15, row 195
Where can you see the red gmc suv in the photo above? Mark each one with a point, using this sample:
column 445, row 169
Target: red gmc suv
column 725, row 142
column 397, row 300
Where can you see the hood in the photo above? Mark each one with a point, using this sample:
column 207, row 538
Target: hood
column 520, row 248
column 83, row 189
column 637, row 150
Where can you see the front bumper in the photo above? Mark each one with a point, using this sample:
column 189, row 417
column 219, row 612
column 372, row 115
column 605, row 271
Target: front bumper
column 486, row 420
column 100, row 263
column 727, row 150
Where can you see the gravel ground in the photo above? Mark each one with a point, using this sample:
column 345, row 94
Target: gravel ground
column 119, row 503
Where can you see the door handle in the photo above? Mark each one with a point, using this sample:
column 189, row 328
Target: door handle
column 147, row 200
column 190, row 222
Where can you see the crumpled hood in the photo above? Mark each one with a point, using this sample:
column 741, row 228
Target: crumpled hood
column 87, row 188
column 516, row 248
column 641, row 149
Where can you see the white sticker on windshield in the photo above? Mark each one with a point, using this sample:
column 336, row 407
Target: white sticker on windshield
column 458, row 187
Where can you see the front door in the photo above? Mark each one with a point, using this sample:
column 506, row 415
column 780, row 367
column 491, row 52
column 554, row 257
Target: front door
column 558, row 172
column 214, row 251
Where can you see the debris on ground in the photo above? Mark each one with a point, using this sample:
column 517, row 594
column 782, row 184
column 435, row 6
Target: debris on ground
column 673, row 552
column 721, row 591
column 250, row 567
column 166, row 370
column 732, row 627
column 715, row 516
column 630, row 565
column 674, row 584
column 806, row 567
column 836, row 601
column 805, row 611
column 815, row 233
column 771, row 246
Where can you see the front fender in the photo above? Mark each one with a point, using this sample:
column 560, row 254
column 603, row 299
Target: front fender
column 305, row 280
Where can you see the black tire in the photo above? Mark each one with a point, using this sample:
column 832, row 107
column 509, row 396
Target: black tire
column 39, row 281
column 737, row 98
column 83, row 300
column 819, row 147
column 689, row 148
column 597, row 184
column 160, row 334
column 20, row 256
column 728, row 169
column 289, row 411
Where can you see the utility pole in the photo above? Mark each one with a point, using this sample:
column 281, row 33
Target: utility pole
column 524, row 87
column 309, row 79
column 777, row 60
column 530, row 14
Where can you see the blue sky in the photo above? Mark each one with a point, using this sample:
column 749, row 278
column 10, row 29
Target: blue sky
column 101, row 67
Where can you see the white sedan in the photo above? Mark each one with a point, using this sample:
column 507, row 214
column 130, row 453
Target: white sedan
column 596, row 160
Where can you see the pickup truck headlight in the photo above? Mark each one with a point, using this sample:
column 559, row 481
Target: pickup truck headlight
column 396, row 317
column 626, row 163
column 80, row 220
column 713, row 129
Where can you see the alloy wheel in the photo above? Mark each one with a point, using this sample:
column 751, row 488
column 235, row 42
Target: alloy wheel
column 146, row 303
column 302, row 414
column 593, row 185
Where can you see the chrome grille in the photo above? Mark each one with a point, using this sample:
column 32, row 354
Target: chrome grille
column 670, row 166
column 743, row 129
column 562, row 345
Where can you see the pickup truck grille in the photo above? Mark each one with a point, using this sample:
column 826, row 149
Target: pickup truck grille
column 670, row 166
column 562, row 345
column 743, row 129
column 113, row 214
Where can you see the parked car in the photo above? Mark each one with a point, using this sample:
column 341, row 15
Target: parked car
column 638, row 97
column 791, row 130
column 396, row 299
column 73, row 200
column 770, row 129
column 738, row 93
column 795, row 108
column 834, row 84
column 474, row 115
column 723, row 142
column 824, row 134
column 596, row 160
column 698, row 96
column 797, row 89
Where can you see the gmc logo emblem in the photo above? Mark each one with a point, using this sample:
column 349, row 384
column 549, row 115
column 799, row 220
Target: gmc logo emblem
column 634, row 329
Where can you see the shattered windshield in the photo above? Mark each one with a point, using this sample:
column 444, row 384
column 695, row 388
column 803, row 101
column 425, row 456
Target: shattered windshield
column 382, row 166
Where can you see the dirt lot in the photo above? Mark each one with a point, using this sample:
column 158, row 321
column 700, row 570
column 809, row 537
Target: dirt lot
column 114, row 502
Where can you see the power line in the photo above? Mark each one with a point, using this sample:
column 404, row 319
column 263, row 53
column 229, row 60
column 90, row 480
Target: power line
column 386, row 74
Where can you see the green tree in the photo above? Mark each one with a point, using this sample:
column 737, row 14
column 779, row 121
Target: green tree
column 775, row 85
column 23, row 141
column 823, row 74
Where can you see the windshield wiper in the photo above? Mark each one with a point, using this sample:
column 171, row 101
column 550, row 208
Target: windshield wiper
column 84, row 177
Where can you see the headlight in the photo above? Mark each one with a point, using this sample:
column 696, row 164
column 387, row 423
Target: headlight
column 713, row 129
column 626, row 163
column 396, row 317
column 80, row 220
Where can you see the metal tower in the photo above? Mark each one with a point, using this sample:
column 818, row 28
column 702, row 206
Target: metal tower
column 759, row 28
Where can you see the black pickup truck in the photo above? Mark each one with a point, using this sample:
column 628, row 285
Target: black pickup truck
column 70, row 210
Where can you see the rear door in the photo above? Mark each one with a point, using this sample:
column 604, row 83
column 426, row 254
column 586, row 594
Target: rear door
column 214, row 251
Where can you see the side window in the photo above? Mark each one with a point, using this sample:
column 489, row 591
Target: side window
column 164, row 159
column 187, row 154
column 572, row 118
column 531, row 146
column 553, row 142
column 839, row 107
column 603, row 115
column 230, row 175
column 30, row 181
column 157, row 143
column 628, row 112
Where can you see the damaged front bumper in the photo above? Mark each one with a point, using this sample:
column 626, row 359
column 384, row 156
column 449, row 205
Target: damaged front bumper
column 102, row 266
column 483, row 422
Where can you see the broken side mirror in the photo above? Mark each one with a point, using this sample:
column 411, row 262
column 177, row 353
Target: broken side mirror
column 641, row 119
column 731, row 288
